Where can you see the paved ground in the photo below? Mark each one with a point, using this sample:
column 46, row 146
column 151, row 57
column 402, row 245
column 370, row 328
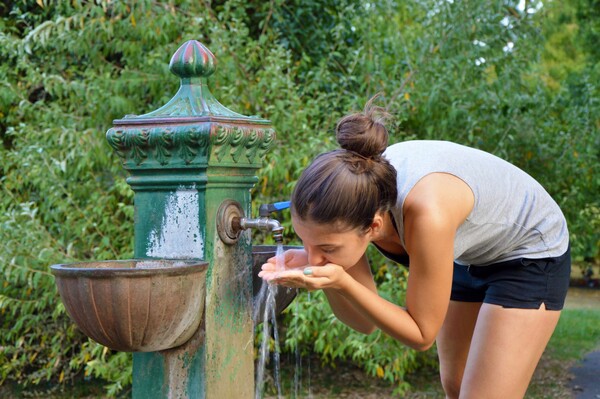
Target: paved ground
column 586, row 384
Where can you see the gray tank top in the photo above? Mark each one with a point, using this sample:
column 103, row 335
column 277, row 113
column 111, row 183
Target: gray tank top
column 513, row 216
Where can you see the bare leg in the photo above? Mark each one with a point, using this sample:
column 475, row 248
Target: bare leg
column 453, row 343
column 505, row 349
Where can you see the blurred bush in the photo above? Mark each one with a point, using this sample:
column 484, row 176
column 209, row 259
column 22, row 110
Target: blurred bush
column 520, row 83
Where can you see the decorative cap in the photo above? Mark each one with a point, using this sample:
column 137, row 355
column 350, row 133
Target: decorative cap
column 193, row 130
column 193, row 59
column 193, row 63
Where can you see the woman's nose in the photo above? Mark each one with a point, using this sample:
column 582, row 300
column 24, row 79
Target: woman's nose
column 316, row 258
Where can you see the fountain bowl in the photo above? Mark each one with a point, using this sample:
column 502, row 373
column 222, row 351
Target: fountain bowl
column 136, row 305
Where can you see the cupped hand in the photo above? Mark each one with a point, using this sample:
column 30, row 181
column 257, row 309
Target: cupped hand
column 292, row 259
column 308, row 277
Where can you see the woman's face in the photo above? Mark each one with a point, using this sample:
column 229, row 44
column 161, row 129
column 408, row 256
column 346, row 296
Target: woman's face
column 330, row 244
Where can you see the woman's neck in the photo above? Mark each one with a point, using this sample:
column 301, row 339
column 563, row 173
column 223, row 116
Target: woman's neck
column 388, row 237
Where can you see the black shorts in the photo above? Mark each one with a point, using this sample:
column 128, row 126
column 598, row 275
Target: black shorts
column 519, row 283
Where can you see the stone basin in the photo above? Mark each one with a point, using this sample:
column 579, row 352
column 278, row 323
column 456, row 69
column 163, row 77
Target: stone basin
column 134, row 305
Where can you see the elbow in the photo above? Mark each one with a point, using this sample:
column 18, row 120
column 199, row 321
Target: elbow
column 422, row 346
column 367, row 330
column 420, row 343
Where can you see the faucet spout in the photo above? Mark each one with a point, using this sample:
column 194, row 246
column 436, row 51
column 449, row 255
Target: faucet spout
column 262, row 223
column 231, row 221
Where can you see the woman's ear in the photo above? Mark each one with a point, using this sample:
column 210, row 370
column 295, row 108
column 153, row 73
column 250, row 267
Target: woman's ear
column 377, row 224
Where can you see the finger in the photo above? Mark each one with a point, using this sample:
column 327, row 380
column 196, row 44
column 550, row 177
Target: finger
column 289, row 261
column 287, row 256
column 268, row 266
column 265, row 275
column 315, row 271
column 297, row 279
column 320, row 271
column 292, row 278
column 268, row 275
column 295, row 258
column 310, row 284
column 308, row 271
column 290, row 274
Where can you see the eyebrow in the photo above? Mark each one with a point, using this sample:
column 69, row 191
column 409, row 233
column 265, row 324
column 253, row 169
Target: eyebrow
column 328, row 245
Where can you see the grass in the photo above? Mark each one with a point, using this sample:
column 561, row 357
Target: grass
column 577, row 333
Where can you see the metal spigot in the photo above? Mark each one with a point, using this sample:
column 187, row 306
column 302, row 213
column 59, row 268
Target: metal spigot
column 231, row 221
column 264, row 222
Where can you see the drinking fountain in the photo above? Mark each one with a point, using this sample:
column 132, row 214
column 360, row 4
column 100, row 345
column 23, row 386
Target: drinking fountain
column 183, row 305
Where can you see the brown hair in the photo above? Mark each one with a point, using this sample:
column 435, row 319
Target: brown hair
column 349, row 185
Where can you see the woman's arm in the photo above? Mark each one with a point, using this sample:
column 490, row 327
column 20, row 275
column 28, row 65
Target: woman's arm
column 428, row 292
column 433, row 210
column 344, row 309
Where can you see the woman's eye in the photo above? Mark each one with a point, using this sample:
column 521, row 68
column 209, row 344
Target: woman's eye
column 328, row 250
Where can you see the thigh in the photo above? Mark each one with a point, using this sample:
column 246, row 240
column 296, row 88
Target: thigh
column 453, row 343
column 506, row 346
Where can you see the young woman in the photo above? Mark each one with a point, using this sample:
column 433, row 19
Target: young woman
column 487, row 250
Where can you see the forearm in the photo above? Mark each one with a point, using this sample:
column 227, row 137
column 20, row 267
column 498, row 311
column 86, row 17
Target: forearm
column 392, row 319
column 347, row 313
column 358, row 304
column 343, row 309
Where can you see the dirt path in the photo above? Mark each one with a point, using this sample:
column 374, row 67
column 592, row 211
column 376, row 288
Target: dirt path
column 582, row 298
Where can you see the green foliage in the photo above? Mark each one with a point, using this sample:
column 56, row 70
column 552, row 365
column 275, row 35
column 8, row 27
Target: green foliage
column 67, row 71
column 577, row 333
column 446, row 71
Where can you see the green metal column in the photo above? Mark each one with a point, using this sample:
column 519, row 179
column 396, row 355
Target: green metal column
column 185, row 159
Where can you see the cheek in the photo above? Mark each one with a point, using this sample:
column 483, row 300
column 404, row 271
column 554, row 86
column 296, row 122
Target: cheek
column 349, row 257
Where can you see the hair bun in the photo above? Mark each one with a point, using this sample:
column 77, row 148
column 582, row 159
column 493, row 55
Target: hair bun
column 364, row 132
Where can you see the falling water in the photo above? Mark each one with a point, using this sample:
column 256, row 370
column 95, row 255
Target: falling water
column 269, row 312
column 298, row 368
column 267, row 295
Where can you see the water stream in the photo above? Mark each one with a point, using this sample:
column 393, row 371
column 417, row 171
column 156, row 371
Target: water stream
column 268, row 293
column 269, row 314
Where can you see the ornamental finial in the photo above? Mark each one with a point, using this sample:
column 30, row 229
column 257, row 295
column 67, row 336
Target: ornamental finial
column 193, row 63
column 193, row 59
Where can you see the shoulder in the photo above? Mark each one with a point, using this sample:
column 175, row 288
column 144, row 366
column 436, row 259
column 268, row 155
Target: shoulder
column 439, row 198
